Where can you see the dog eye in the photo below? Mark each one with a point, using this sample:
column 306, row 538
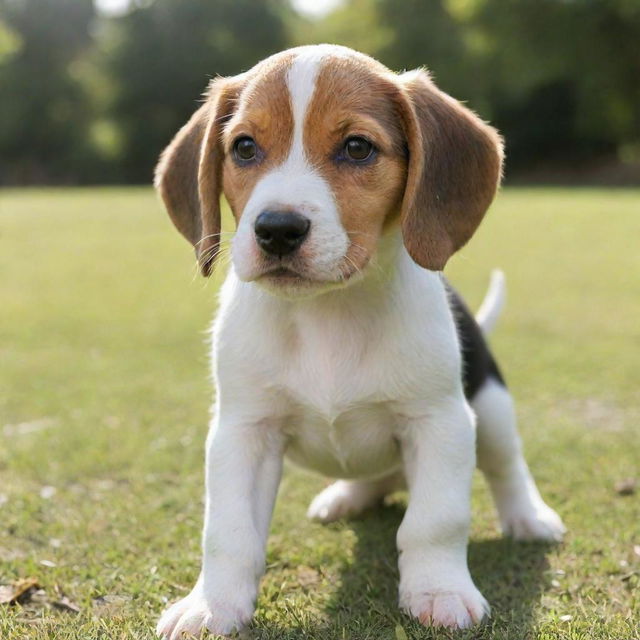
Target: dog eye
column 358, row 149
column 245, row 149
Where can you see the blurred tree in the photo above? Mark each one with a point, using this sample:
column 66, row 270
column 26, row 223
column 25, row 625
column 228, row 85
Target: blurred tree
column 558, row 77
column 161, row 56
column 402, row 35
column 427, row 34
column 44, row 114
column 563, row 77
column 91, row 98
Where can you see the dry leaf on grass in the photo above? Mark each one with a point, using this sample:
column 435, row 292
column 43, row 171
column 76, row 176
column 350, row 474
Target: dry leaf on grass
column 18, row 591
column 28, row 593
column 626, row 487
column 64, row 604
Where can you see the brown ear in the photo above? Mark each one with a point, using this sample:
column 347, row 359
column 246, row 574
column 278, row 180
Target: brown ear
column 189, row 173
column 455, row 164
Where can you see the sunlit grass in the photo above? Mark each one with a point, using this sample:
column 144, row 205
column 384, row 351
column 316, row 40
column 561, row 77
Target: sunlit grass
column 104, row 396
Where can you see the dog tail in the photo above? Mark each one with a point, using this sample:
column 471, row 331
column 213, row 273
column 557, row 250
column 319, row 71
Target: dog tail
column 493, row 302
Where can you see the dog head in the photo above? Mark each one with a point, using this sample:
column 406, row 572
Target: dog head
column 319, row 151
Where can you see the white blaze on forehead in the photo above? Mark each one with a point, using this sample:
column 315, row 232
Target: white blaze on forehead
column 296, row 184
column 301, row 82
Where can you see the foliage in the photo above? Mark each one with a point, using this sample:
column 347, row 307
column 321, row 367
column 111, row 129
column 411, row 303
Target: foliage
column 161, row 58
column 44, row 113
column 92, row 98
column 568, row 70
column 558, row 78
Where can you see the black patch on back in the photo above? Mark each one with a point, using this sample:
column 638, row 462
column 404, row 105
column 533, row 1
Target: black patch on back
column 477, row 362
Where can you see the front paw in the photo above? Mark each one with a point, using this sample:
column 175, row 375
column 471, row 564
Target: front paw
column 458, row 608
column 538, row 522
column 195, row 614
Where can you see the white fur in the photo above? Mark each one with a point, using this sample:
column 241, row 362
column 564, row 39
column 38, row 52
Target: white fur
column 523, row 513
column 362, row 383
column 296, row 185
column 493, row 302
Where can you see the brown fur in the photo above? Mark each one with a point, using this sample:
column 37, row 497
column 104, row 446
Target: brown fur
column 263, row 113
column 188, row 175
column 454, row 171
column 198, row 164
column 356, row 102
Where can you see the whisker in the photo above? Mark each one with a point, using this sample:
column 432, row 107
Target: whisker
column 222, row 259
column 364, row 253
column 343, row 276
column 213, row 235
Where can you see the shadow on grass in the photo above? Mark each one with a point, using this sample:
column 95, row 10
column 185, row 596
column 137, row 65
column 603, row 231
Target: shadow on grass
column 511, row 576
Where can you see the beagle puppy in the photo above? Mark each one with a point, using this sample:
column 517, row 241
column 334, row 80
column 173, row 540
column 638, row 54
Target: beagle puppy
column 337, row 341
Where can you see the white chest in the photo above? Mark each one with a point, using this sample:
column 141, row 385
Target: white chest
column 341, row 420
column 357, row 443
column 338, row 374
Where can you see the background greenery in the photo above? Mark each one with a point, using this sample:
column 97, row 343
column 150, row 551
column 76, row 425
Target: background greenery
column 87, row 98
column 104, row 397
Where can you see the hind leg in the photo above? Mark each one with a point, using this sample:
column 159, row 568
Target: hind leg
column 523, row 513
column 347, row 498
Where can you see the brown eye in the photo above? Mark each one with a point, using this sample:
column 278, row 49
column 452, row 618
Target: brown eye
column 245, row 149
column 358, row 149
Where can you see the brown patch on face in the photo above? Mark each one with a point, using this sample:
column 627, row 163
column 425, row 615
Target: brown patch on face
column 263, row 114
column 355, row 97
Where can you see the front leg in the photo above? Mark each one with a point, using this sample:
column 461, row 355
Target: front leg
column 438, row 450
column 243, row 469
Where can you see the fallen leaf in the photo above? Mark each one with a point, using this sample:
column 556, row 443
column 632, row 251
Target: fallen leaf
column 18, row 591
column 6, row 594
column 626, row 487
column 64, row 604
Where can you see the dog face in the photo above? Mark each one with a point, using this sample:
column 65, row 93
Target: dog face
column 320, row 151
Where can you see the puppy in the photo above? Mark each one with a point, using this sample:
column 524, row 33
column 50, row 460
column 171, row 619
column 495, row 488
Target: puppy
column 338, row 342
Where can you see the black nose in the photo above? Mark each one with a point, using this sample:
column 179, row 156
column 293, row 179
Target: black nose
column 280, row 232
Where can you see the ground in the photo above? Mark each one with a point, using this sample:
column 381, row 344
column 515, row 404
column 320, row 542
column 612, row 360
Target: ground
column 104, row 399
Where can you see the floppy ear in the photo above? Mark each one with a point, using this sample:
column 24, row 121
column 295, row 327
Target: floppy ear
column 189, row 173
column 455, row 165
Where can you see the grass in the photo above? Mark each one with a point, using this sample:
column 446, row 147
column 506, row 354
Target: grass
column 104, row 398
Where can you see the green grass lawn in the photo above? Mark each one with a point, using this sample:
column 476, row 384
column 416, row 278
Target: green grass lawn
column 104, row 398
